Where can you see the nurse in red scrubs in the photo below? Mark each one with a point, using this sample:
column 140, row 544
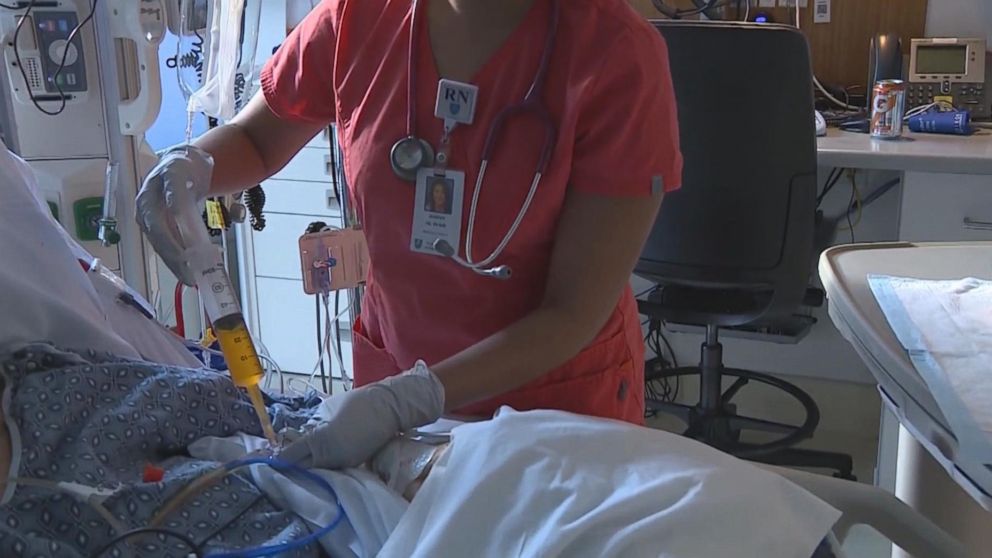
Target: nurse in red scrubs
column 551, row 124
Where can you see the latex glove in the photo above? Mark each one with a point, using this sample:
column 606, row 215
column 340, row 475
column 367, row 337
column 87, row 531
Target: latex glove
column 185, row 167
column 362, row 421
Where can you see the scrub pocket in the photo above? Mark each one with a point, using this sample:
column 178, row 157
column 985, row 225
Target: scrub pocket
column 372, row 362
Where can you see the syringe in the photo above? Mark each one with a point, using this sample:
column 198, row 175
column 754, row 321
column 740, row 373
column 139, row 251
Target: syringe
column 221, row 305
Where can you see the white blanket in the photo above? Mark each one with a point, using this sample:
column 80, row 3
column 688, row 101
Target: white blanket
column 946, row 327
column 372, row 509
column 46, row 296
column 548, row 483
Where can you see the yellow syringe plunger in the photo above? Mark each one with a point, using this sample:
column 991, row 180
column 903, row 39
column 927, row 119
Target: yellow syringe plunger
column 244, row 365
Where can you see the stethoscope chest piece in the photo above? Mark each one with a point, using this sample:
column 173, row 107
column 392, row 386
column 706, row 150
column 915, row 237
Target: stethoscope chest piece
column 409, row 155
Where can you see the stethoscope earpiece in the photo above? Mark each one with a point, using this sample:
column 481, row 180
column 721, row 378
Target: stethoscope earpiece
column 445, row 249
column 499, row 272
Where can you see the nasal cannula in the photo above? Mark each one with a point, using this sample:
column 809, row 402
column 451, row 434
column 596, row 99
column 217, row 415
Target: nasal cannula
column 221, row 304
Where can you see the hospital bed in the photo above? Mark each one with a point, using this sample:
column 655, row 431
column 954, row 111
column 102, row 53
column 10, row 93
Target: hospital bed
column 31, row 241
column 933, row 469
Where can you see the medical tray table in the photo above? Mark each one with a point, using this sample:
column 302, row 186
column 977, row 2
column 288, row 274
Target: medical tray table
column 844, row 272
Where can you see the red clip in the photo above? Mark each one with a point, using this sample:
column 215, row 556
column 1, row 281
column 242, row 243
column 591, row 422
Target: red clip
column 152, row 473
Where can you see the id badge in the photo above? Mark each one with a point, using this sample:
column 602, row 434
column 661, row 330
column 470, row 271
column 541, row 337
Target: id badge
column 456, row 101
column 437, row 210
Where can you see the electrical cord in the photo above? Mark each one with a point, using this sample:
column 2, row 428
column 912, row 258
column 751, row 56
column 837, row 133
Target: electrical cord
column 320, row 346
column 65, row 54
column 337, row 335
column 194, row 548
column 279, row 549
column 671, row 352
column 335, row 184
column 702, row 7
column 857, row 201
column 213, row 476
column 325, row 348
column 850, row 226
column 880, row 191
column 661, row 389
column 336, row 348
column 855, row 205
column 823, row 90
column 832, row 179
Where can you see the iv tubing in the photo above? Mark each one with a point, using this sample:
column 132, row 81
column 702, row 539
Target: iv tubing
column 281, row 466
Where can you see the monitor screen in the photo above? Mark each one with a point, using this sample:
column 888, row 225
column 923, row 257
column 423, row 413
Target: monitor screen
column 941, row 59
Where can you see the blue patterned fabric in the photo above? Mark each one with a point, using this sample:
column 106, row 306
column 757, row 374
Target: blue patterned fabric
column 97, row 420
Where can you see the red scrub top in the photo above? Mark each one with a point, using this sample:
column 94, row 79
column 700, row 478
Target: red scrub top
column 609, row 92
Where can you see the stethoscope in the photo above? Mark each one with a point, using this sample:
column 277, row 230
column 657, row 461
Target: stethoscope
column 410, row 153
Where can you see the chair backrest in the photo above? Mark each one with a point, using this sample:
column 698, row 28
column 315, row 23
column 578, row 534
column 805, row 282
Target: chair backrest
column 744, row 216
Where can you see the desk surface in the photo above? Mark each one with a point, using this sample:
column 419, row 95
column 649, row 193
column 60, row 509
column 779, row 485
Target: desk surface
column 913, row 152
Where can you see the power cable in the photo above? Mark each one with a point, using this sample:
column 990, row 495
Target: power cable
column 702, row 7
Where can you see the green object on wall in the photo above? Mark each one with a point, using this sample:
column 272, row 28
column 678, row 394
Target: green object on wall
column 88, row 212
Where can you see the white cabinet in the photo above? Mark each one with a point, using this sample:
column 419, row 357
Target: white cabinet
column 311, row 164
column 277, row 249
column 945, row 207
column 310, row 198
column 288, row 328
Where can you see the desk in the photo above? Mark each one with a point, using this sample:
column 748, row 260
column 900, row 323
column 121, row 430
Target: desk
column 931, row 153
column 946, row 182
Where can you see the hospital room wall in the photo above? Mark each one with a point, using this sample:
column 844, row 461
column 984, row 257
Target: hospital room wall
column 960, row 18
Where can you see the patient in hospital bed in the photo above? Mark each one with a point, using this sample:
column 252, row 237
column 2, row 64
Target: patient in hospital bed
column 105, row 418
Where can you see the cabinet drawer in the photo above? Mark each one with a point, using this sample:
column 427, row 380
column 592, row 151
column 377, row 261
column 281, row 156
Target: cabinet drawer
column 311, row 164
column 302, row 198
column 288, row 327
column 946, row 207
column 277, row 248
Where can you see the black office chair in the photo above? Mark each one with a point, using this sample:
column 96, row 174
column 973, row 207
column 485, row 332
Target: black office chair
column 733, row 248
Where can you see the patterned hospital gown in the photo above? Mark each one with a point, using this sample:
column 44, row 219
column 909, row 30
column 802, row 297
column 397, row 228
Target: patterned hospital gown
column 97, row 420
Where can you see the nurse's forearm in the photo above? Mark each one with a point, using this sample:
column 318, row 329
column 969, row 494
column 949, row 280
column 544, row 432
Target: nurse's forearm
column 588, row 272
column 541, row 341
column 254, row 146
column 237, row 163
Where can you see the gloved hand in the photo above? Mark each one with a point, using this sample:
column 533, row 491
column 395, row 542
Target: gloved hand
column 362, row 421
column 184, row 167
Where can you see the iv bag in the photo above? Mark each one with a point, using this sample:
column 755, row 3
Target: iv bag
column 189, row 24
column 227, row 56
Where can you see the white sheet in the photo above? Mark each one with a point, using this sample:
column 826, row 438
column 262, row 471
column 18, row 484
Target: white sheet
column 946, row 327
column 548, row 483
column 373, row 510
column 46, row 296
